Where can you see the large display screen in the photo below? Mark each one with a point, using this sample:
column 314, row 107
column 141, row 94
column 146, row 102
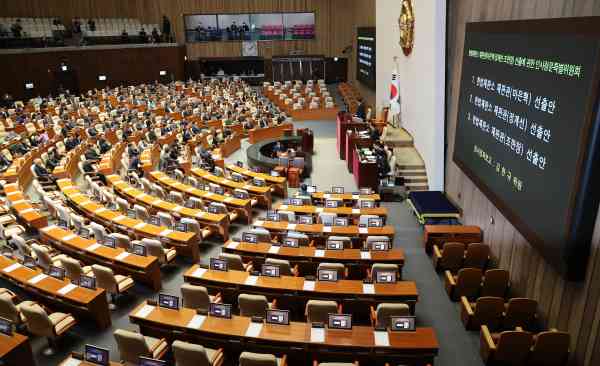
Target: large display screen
column 249, row 27
column 365, row 56
column 527, row 129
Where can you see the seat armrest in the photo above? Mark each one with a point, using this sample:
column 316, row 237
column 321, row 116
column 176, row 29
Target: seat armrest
column 449, row 283
column 249, row 266
column 487, row 345
column 283, row 361
column 160, row 342
column 467, row 314
column 218, row 358
column 373, row 317
column 436, row 257
column 274, row 304
column 295, row 271
column 464, row 302
column 311, row 243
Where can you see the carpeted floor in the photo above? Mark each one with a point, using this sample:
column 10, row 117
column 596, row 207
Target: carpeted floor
column 457, row 346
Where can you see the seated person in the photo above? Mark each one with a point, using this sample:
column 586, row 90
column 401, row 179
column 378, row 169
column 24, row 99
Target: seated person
column 155, row 35
column 132, row 150
column 4, row 163
column 92, row 132
column 361, row 110
column 41, row 173
column 18, row 148
column 16, row 29
column 92, row 155
column 103, row 145
column 72, row 142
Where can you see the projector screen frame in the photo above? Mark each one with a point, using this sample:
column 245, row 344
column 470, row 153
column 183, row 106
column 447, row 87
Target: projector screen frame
column 584, row 200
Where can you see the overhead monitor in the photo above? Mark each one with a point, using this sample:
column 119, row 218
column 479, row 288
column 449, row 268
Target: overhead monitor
column 366, row 64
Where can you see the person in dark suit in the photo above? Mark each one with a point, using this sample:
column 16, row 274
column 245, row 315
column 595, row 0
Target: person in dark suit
column 91, row 155
column 42, row 174
column 361, row 110
column 103, row 145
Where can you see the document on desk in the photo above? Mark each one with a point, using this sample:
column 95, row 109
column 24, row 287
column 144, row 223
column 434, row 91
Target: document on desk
column 68, row 288
column 258, row 223
column 356, row 211
column 100, row 210
column 69, row 237
column 382, row 338
column 93, row 247
column 365, row 255
column 196, row 321
column 320, row 253
column 139, row 226
column 283, row 207
column 228, row 199
column 363, row 230
column 12, row 267
column 251, row 280
column 253, row 329
column 72, row 362
column 291, row 227
column 319, row 209
column 233, row 245
column 144, row 311
column 308, row 285
column 199, row 272
column 165, row 232
column 326, row 229
column 355, row 196
column 37, row 278
column 317, row 335
column 119, row 218
column 122, row 256
column 368, row 288
column 274, row 249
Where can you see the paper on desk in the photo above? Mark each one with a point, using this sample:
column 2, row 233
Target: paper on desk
column 253, row 329
column 199, row 272
column 37, row 278
column 196, row 321
column 251, row 280
column 69, row 237
column 93, row 247
column 319, row 253
column 308, row 286
column 119, row 218
column 177, row 208
column 165, row 232
column 156, row 201
column 274, row 249
column 144, row 311
column 27, row 210
column 100, row 210
column 258, row 223
column 12, row 267
column 283, row 207
column 327, row 195
column 355, row 196
column 291, row 227
column 200, row 214
column 228, row 199
column 363, row 230
column 208, row 194
column 365, row 255
column 139, row 225
column 122, row 256
column 382, row 338
column 356, row 211
column 317, row 335
column 72, row 362
column 319, row 209
column 233, row 245
column 368, row 288
column 326, row 229
column 68, row 288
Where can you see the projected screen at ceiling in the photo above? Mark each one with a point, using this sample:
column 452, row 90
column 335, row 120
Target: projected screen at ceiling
column 526, row 129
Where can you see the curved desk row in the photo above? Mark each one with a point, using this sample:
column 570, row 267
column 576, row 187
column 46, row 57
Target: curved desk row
column 340, row 211
column 186, row 243
column 280, row 183
column 216, row 222
column 346, row 197
column 243, row 206
column 298, row 340
column 295, row 291
column 142, row 269
column 61, row 294
column 25, row 211
column 262, row 194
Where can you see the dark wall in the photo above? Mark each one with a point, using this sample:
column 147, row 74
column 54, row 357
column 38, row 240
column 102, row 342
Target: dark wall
column 120, row 65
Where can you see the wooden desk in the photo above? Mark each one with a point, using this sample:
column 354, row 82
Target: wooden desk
column 216, row 222
column 280, row 183
column 90, row 304
column 68, row 165
column 320, row 230
column 111, row 158
column 244, row 207
column 142, row 269
column 262, row 194
column 308, row 258
column 365, row 173
column 67, row 361
column 230, row 145
column 15, row 350
column 258, row 134
column 292, row 290
column 440, row 234
column 186, row 243
column 25, row 211
column 340, row 211
column 346, row 197
column 418, row 347
column 353, row 141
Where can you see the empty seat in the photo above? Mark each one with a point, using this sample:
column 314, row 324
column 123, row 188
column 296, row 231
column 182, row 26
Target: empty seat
column 467, row 283
column 253, row 305
column 495, row 283
column 133, row 345
column 381, row 316
column 508, row 348
column 189, row 354
column 11, row 311
column 100, row 233
column 121, row 241
column 477, row 255
column 166, row 219
column 52, row 326
column 341, row 270
column 385, row 267
column 327, row 218
column 550, row 348
column 344, row 239
column 487, row 310
column 113, row 284
column 449, row 258
column 176, row 198
column 197, row 297
column 317, row 311
column 73, row 268
column 141, row 213
column 520, row 312
column 234, row 262
column 155, row 249
column 260, row 359
column 285, row 268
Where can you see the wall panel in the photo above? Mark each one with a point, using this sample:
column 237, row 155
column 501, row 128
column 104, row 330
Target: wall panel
column 566, row 305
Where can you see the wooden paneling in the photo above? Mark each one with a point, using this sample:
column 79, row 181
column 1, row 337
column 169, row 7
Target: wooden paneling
column 570, row 306
column 364, row 16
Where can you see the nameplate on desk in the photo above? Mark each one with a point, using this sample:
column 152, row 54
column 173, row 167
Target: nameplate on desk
column 233, row 245
column 13, row 193
column 68, row 288
column 327, row 195
column 177, row 208
column 196, row 321
column 19, row 201
column 308, row 286
column 326, row 229
column 381, row 338
column 363, row 230
column 208, row 194
column 142, row 196
column 69, row 237
column 254, row 329
column 355, row 196
column 72, row 362
column 156, row 202
column 356, row 211
column 165, row 232
column 319, row 253
column 199, row 272
column 76, row 194
column 100, row 210
column 291, row 227
column 228, row 199
column 127, row 189
column 200, row 215
column 283, row 207
column 12, row 267
column 368, row 288
column 190, row 189
column 274, row 249
column 93, row 247
column 258, row 223
column 246, row 186
column 317, row 335
column 27, row 210
column 251, row 280
column 365, row 255
column 37, row 278
column 139, row 226
column 319, row 209
column 119, row 218
column 122, row 256
column 144, row 311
